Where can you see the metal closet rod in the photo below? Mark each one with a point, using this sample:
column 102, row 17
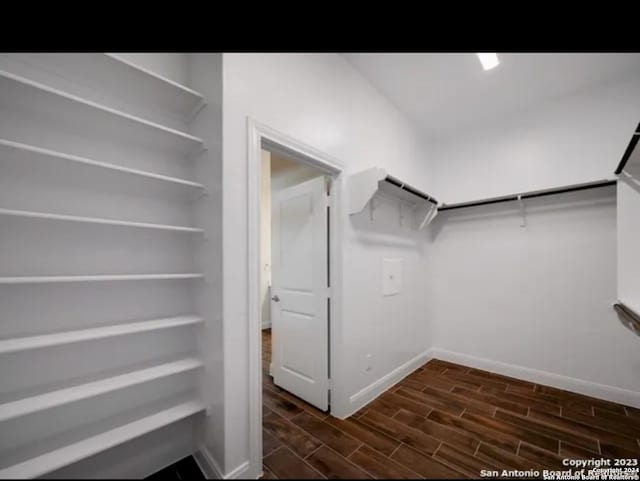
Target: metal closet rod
column 411, row 190
column 626, row 310
column 529, row 195
column 628, row 151
column 632, row 317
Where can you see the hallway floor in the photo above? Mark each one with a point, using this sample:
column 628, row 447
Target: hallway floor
column 442, row 421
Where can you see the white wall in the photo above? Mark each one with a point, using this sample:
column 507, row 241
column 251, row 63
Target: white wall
column 205, row 72
column 537, row 297
column 570, row 140
column 321, row 100
column 629, row 235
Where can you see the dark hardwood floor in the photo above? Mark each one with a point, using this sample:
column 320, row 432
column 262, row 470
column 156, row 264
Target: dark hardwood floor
column 442, row 421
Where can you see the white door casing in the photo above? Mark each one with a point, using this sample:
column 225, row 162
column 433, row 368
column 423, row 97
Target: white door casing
column 300, row 291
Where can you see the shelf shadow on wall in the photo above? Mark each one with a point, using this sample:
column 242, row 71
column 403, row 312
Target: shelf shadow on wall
column 387, row 228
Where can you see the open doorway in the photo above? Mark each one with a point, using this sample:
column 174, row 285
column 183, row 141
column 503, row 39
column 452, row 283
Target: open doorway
column 298, row 199
column 294, row 290
column 294, row 279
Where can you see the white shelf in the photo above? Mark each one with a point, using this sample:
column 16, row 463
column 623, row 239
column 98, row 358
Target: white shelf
column 187, row 101
column 97, row 278
column 25, row 88
column 69, row 337
column 72, row 453
column 96, row 220
column 52, row 399
column 364, row 186
column 4, row 143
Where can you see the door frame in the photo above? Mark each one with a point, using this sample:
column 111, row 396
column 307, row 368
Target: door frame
column 257, row 133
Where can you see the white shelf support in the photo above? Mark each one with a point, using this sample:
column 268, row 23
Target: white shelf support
column 523, row 220
column 429, row 216
column 373, row 205
column 362, row 188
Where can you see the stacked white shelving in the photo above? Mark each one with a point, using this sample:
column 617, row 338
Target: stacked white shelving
column 97, row 186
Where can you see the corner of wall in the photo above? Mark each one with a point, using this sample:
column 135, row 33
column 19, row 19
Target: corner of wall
column 212, row 470
column 375, row 389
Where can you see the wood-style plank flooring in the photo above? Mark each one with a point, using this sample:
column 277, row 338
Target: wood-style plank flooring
column 442, row 421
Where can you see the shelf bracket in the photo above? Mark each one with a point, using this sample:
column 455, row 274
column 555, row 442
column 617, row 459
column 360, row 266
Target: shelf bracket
column 373, row 205
column 429, row 216
column 523, row 221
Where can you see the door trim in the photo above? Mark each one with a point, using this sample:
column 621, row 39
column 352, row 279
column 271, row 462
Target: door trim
column 257, row 133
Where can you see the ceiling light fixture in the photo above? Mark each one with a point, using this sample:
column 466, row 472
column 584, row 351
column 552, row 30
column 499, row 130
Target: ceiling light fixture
column 488, row 60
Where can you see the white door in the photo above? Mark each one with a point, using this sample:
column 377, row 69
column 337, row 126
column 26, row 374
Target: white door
column 299, row 275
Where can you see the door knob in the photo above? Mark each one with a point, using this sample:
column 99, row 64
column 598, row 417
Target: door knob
column 275, row 298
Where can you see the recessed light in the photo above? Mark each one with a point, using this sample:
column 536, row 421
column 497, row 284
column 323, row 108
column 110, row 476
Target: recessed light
column 488, row 60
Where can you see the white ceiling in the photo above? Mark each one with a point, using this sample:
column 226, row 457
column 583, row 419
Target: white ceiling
column 443, row 92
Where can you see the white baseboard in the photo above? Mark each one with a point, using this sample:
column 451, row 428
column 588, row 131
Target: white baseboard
column 373, row 390
column 240, row 472
column 588, row 388
column 266, row 324
column 211, row 468
column 207, row 464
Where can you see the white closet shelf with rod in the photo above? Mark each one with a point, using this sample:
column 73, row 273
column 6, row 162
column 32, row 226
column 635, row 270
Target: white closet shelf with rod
column 97, row 278
column 96, row 220
column 364, row 185
column 6, row 145
column 60, row 397
column 530, row 194
column 26, row 343
column 627, row 158
column 89, row 446
column 27, row 91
